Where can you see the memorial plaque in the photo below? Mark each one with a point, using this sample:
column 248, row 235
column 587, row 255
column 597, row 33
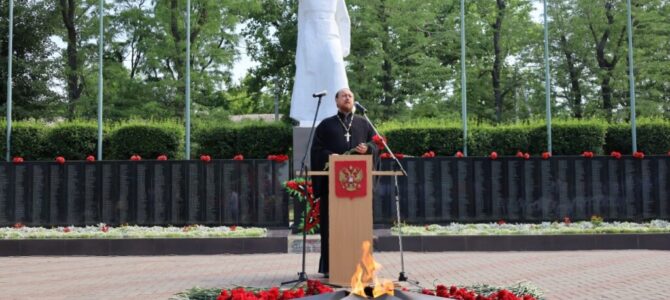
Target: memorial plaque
column 430, row 193
column 597, row 194
column 629, row 207
column 615, row 188
column 263, row 193
column 162, row 191
column 142, row 186
column 40, row 197
column 578, row 199
column 413, row 186
column 231, row 197
column 480, row 190
column 515, row 181
column 496, row 192
column 4, row 196
column 194, row 205
column 177, row 203
column 20, row 186
column 74, row 195
column 91, row 209
column 564, row 182
column 649, row 207
column 212, row 208
column 547, row 198
column 449, row 188
column 663, row 193
column 247, row 200
column 57, row 199
column 109, row 192
column 532, row 208
column 123, row 204
column 463, row 178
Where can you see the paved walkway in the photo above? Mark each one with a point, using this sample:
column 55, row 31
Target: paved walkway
column 633, row 274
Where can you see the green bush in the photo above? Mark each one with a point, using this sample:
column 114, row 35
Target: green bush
column 146, row 139
column 251, row 139
column 27, row 139
column 569, row 137
column 73, row 140
column 504, row 139
column 653, row 137
column 422, row 135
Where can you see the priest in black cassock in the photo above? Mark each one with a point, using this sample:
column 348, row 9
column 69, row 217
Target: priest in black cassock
column 334, row 136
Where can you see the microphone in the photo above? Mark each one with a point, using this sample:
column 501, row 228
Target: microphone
column 360, row 107
column 320, row 94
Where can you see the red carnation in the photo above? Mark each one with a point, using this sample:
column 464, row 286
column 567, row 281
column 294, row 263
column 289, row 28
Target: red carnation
column 526, row 156
column 428, row 154
column 104, row 228
column 668, row 153
column 616, row 154
column 399, row 155
column 292, row 185
column 135, row 157
column 379, row 141
column 459, row 154
column 17, row 160
column 60, row 160
column 205, row 158
column 233, row 227
column 238, row 157
column 67, row 229
column 546, row 155
column 90, row 158
column 587, row 154
column 162, row 157
column 385, row 155
column 18, row 225
column 638, row 154
column 519, row 154
column 493, row 155
column 567, row 221
column 501, row 222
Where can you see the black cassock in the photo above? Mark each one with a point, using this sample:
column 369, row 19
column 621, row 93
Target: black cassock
column 330, row 138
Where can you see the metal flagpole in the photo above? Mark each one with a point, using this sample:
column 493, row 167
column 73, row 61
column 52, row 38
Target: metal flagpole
column 631, row 78
column 547, row 78
column 464, row 89
column 187, row 111
column 9, row 78
column 101, row 11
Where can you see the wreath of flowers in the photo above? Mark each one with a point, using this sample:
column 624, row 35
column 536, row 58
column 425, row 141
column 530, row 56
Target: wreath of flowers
column 301, row 189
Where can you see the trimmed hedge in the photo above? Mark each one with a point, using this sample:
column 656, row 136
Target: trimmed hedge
column 146, row 139
column 423, row 135
column 73, row 140
column 27, row 140
column 653, row 137
column 251, row 139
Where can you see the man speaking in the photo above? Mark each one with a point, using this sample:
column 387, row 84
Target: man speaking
column 336, row 135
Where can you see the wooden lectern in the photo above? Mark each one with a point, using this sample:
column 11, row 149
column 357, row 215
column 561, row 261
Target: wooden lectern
column 350, row 208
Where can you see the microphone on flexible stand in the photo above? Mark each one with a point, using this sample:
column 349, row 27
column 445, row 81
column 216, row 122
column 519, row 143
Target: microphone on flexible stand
column 320, row 94
column 360, row 107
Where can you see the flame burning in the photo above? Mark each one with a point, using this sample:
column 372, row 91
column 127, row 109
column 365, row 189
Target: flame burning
column 365, row 273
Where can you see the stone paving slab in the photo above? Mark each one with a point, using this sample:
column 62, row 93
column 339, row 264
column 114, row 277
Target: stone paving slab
column 626, row 274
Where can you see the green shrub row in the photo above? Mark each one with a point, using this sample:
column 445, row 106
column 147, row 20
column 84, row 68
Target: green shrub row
column 569, row 137
column 77, row 139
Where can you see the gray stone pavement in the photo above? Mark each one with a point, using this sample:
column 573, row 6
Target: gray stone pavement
column 631, row 274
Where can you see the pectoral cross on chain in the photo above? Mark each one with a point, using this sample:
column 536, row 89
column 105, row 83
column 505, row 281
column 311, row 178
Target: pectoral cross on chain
column 347, row 135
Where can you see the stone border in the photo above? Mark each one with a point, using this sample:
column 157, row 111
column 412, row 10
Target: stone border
column 162, row 246
column 280, row 244
column 526, row 242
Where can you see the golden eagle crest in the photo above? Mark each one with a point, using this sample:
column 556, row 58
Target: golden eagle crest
column 350, row 178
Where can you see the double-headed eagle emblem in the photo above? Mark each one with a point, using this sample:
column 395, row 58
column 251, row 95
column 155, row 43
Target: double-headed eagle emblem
column 350, row 178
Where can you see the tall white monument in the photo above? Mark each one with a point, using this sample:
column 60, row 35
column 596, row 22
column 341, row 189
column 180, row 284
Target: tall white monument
column 323, row 41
